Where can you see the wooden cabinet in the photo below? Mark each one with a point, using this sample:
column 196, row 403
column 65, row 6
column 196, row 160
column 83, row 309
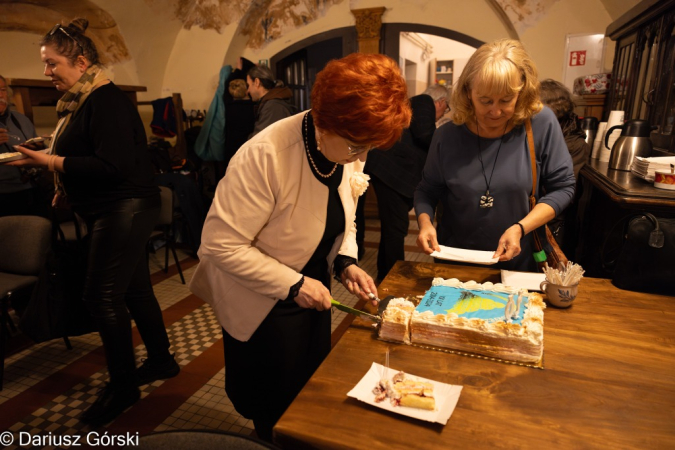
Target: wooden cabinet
column 30, row 93
column 441, row 72
column 643, row 82
column 590, row 105
column 608, row 199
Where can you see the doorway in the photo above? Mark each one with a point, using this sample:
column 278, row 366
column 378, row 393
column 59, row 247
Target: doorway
column 298, row 65
column 427, row 59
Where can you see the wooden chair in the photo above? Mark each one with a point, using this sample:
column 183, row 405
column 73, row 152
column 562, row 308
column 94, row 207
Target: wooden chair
column 165, row 230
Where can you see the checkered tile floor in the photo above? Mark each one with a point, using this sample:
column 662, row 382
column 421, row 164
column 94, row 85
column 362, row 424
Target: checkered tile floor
column 46, row 386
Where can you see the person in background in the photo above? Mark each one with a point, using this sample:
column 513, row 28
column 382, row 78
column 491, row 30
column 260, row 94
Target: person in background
column 556, row 96
column 102, row 167
column 479, row 168
column 239, row 110
column 276, row 100
column 282, row 223
column 395, row 174
column 447, row 114
column 17, row 195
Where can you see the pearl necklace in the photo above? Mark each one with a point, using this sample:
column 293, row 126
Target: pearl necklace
column 318, row 147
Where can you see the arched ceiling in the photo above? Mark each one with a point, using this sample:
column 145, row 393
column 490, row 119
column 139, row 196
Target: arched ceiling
column 261, row 21
column 39, row 16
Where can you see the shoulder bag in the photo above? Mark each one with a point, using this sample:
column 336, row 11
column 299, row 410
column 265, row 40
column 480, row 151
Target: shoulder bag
column 646, row 257
column 546, row 248
column 56, row 308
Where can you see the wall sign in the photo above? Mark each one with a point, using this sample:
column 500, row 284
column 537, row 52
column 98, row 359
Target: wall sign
column 584, row 55
column 578, row 58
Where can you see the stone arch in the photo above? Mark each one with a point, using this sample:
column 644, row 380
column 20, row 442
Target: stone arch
column 347, row 34
column 392, row 31
column 30, row 17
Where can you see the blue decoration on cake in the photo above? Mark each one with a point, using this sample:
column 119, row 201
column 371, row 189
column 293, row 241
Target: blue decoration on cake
column 471, row 304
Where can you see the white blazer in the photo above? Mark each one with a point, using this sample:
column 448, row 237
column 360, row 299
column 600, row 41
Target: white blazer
column 267, row 219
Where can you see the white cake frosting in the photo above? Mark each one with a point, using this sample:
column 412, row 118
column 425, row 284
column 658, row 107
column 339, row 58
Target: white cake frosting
column 532, row 327
column 491, row 319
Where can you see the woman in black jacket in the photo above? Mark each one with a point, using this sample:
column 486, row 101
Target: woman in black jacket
column 102, row 170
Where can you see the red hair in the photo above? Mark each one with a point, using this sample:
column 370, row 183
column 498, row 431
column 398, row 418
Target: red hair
column 362, row 98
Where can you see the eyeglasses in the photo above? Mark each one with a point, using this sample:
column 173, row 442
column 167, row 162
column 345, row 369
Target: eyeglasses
column 58, row 27
column 357, row 149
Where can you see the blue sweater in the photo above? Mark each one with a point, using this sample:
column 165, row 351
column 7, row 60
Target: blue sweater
column 453, row 176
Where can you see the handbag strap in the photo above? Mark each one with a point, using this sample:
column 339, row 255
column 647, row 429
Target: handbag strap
column 556, row 253
column 533, row 161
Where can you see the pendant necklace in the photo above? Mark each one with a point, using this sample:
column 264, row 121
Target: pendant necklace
column 487, row 201
column 318, row 147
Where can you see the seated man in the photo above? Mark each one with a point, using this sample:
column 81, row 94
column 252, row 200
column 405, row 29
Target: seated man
column 17, row 195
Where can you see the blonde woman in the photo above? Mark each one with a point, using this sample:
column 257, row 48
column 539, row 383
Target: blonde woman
column 479, row 168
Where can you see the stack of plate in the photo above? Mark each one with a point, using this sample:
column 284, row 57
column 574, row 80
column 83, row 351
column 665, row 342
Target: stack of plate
column 645, row 167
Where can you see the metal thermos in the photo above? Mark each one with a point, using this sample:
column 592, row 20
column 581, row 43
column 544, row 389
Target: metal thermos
column 634, row 141
column 590, row 127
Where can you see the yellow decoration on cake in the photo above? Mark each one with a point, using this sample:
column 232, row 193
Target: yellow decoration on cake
column 475, row 303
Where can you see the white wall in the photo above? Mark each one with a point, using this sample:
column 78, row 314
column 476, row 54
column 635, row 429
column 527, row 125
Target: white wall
column 448, row 49
column 418, row 79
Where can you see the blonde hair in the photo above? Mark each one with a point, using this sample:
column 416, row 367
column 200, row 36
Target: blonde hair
column 499, row 67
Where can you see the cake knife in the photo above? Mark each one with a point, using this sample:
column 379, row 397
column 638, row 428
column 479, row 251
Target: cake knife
column 356, row 312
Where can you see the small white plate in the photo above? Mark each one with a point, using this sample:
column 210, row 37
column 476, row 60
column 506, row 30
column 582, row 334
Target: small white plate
column 528, row 280
column 11, row 156
column 446, row 396
column 465, row 255
column 15, row 156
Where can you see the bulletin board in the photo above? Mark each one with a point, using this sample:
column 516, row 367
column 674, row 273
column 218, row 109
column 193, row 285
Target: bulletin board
column 584, row 55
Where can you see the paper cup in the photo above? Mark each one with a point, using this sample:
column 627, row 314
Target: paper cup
column 599, row 140
column 664, row 180
column 615, row 118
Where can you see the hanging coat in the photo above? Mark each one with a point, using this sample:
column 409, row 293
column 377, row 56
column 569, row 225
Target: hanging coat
column 210, row 145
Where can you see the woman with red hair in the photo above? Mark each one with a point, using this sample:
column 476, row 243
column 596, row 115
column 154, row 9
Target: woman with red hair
column 282, row 222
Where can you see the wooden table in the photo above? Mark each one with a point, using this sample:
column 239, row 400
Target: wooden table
column 608, row 381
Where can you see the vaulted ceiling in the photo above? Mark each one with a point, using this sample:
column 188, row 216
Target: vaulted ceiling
column 260, row 20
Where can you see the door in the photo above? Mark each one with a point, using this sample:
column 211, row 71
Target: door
column 298, row 70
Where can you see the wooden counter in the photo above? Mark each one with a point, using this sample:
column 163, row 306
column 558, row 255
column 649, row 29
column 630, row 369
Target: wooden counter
column 625, row 188
column 608, row 381
column 30, row 93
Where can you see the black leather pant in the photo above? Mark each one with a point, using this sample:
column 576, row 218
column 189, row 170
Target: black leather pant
column 117, row 286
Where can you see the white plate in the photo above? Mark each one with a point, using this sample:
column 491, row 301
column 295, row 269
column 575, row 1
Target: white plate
column 465, row 255
column 446, row 396
column 528, row 280
column 15, row 156
column 11, row 156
